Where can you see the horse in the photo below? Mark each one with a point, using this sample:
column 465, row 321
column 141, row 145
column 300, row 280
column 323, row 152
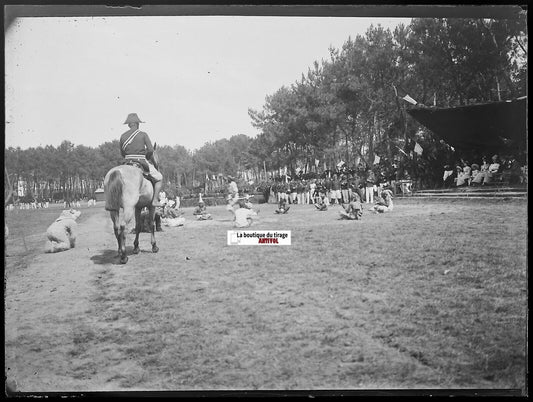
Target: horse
column 127, row 192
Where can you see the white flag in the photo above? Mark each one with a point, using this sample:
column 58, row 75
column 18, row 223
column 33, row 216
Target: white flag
column 339, row 165
column 401, row 150
column 407, row 98
column 376, row 159
column 317, row 162
column 418, row 149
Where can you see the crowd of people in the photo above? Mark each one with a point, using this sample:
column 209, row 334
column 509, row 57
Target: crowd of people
column 505, row 169
column 337, row 189
column 41, row 203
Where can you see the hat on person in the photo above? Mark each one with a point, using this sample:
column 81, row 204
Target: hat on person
column 494, row 157
column 475, row 166
column 133, row 118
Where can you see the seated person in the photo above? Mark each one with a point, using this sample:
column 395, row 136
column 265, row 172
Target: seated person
column 283, row 208
column 512, row 171
column 494, row 169
column 201, row 211
column 475, row 170
column 483, row 172
column 354, row 210
column 467, row 172
column 170, row 210
column 322, row 204
column 385, row 203
column 460, row 180
column 243, row 217
column 244, row 201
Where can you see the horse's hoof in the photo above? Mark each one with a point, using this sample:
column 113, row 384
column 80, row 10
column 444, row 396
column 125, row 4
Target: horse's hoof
column 136, row 250
column 124, row 260
column 155, row 249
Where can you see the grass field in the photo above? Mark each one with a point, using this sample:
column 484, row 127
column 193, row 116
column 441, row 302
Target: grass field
column 432, row 295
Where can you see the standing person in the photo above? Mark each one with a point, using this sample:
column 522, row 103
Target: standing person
column 300, row 188
column 336, row 190
column 233, row 193
column 312, row 189
column 293, row 193
column 306, row 194
column 136, row 145
column 326, row 184
column 266, row 191
column 345, row 192
column 447, row 177
column 370, row 182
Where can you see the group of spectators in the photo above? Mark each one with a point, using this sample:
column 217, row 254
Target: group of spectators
column 505, row 169
column 42, row 203
column 336, row 189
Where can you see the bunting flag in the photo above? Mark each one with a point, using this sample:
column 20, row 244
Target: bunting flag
column 402, row 151
column 407, row 98
column 376, row 159
column 418, row 149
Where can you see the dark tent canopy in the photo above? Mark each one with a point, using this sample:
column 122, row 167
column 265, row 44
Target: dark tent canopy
column 490, row 126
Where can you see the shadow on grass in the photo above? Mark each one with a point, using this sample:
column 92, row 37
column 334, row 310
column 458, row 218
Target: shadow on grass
column 109, row 257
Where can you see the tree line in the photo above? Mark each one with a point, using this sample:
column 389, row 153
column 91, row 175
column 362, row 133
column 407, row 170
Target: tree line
column 347, row 108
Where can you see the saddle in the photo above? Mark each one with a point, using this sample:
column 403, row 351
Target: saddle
column 142, row 165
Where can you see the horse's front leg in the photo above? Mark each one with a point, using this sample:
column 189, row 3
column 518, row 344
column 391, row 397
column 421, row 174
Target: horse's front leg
column 138, row 228
column 155, row 249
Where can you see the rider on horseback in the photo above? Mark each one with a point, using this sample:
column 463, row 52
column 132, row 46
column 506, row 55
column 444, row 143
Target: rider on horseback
column 136, row 145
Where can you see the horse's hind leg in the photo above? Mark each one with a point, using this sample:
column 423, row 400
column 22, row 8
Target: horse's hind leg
column 114, row 218
column 119, row 227
column 138, row 228
column 125, row 215
column 151, row 210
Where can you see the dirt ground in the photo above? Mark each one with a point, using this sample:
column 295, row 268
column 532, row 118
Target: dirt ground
column 202, row 315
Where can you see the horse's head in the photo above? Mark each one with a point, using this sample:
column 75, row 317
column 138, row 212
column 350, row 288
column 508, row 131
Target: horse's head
column 155, row 157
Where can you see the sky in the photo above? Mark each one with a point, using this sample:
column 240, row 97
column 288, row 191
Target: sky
column 191, row 79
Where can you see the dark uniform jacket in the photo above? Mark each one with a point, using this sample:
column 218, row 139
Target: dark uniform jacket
column 136, row 146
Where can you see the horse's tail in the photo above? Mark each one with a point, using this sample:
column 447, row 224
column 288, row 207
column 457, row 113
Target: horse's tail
column 113, row 191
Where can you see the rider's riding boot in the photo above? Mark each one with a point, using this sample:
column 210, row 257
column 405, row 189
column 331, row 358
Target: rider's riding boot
column 157, row 189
